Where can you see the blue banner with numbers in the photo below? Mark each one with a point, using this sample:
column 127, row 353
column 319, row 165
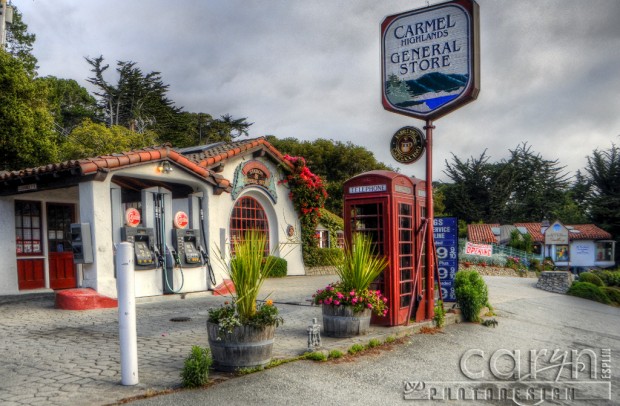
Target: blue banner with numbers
column 446, row 234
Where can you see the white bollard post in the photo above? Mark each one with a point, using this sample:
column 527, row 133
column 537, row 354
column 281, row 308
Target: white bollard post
column 125, row 287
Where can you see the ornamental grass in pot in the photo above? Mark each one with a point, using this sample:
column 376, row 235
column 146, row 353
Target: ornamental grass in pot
column 241, row 333
column 348, row 304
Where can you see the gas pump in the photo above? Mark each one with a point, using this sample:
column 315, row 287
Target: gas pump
column 143, row 239
column 187, row 244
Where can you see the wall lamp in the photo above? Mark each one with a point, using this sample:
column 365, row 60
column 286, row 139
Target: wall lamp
column 164, row 167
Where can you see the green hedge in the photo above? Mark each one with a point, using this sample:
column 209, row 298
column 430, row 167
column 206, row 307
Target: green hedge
column 610, row 278
column 613, row 294
column 472, row 294
column 592, row 278
column 589, row 291
column 322, row 256
column 280, row 268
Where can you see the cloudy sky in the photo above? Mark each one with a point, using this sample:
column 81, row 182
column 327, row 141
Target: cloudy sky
column 312, row 69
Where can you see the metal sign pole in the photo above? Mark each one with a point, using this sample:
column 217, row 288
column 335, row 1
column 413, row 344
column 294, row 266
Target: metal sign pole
column 430, row 297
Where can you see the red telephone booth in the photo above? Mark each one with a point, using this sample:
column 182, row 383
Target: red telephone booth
column 390, row 208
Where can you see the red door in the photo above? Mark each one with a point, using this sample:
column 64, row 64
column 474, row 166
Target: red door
column 61, row 266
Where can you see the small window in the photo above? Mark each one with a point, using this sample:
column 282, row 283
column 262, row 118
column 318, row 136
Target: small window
column 28, row 228
column 561, row 253
column 605, row 251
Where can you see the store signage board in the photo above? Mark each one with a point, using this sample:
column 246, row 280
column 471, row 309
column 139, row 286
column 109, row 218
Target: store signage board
column 446, row 235
column 556, row 234
column 430, row 59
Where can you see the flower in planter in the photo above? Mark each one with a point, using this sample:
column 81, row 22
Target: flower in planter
column 337, row 295
column 358, row 268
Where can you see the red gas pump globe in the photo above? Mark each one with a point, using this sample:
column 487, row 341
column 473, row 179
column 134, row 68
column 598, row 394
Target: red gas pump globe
column 181, row 220
column 132, row 217
column 390, row 208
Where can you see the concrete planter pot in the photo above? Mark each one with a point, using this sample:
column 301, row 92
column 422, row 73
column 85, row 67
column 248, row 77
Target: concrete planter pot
column 342, row 321
column 245, row 347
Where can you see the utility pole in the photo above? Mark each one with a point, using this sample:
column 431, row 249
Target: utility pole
column 5, row 18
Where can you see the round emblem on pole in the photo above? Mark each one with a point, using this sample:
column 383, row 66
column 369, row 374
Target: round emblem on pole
column 407, row 145
column 181, row 220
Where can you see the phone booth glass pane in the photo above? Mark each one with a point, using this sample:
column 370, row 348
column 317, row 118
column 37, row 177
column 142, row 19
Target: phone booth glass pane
column 368, row 219
column 405, row 252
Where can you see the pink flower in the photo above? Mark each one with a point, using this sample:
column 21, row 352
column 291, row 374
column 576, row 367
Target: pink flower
column 340, row 295
column 354, row 300
column 385, row 312
column 337, row 302
column 352, row 293
column 384, row 300
column 328, row 300
column 369, row 306
column 320, row 302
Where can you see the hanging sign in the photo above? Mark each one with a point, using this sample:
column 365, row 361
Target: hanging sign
column 407, row 145
column 132, row 217
column 430, row 59
column 180, row 219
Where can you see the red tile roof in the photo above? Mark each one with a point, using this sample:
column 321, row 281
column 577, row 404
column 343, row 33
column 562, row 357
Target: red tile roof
column 197, row 161
column 210, row 155
column 533, row 229
column 481, row 233
column 104, row 163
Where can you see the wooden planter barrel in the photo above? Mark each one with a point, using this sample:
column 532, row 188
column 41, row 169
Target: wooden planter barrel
column 342, row 321
column 245, row 347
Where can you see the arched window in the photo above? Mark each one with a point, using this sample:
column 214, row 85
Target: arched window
column 248, row 214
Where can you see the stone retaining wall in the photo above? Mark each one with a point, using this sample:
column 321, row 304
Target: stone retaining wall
column 321, row 270
column 555, row 281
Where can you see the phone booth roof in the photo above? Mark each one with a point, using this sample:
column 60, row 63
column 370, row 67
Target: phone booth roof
column 379, row 182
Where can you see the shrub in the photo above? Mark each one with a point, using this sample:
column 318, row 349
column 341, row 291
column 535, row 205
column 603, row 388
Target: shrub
column 374, row 342
column 592, row 278
column 589, row 291
column 279, row 269
column 335, row 354
column 390, row 339
column 471, row 294
column 355, row 348
column 323, row 257
column 535, row 265
column 612, row 293
column 610, row 278
column 548, row 264
column 316, row 356
column 195, row 371
column 440, row 315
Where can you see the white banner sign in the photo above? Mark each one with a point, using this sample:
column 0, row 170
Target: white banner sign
column 482, row 250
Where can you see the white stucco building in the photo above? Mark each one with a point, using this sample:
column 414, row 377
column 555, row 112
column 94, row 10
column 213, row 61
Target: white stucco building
column 211, row 193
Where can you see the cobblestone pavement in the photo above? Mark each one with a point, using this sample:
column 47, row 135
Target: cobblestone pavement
column 59, row 357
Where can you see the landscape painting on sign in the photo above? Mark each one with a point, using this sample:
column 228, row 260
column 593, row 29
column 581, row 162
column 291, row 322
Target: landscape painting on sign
column 423, row 92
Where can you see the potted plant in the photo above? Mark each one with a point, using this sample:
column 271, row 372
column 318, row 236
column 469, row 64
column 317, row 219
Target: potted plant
column 348, row 304
column 241, row 333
